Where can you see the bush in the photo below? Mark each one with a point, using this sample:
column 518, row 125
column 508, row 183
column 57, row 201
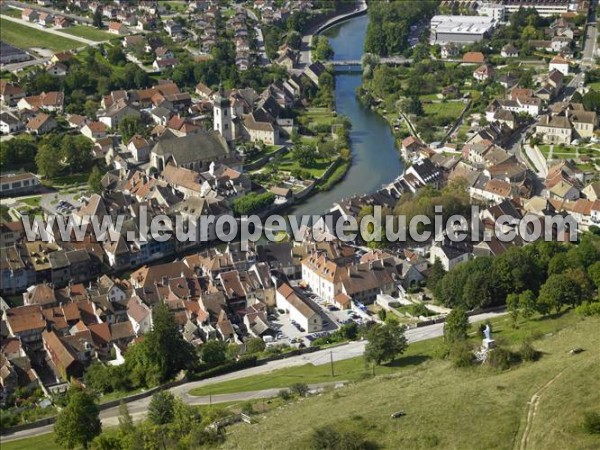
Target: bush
column 300, row 389
column 327, row 438
column 528, row 353
column 247, row 408
column 204, row 371
column 501, row 358
column 591, row 422
column 461, row 354
column 252, row 202
column 285, row 395
column 588, row 309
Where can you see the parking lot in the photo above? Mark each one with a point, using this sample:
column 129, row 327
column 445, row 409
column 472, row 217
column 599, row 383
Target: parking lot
column 332, row 317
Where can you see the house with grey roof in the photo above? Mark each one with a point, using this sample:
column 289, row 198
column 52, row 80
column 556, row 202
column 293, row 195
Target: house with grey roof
column 195, row 151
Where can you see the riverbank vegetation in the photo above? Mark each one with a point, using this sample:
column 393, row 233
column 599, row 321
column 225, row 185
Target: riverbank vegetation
column 432, row 95
column 390, row 24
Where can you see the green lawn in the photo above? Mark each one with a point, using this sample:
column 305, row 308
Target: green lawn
column 450, row 408
column 595, row 86
column 12, row 12
column 45, row 441
column 288, row 163
column 448, row 109
column 89, row 33
column 34, row 202
column 67, row 180
column 354, row 369
column 176, row 7
column 23, row 36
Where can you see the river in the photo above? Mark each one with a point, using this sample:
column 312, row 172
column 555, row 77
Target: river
column 375, row 159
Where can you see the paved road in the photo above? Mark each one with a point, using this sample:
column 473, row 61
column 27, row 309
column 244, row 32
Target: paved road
column 260, row 41
column 51, row 31
column 138, row 408
column 15, row 67
column 22, row 5
column 305, row 58
column 589, row 50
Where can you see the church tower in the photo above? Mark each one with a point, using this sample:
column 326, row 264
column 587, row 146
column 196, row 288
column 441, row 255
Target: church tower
column 222, row 116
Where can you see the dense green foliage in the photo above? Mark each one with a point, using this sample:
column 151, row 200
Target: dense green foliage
column 63, row 153
column 542, row 277
column 456, row 326
column 322, row 51
column 386, row 343
column 17, row 152
column 157, row 358
column 390, row 22
column 252, row 202
column 79, row 421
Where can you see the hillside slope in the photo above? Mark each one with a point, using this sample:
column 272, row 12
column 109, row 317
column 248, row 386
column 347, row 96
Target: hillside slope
column 456, row 408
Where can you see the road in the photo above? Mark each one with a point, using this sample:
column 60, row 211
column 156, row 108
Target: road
column 137, row 408
column 51, row 31
column 305, row 58
column 76, row 18
column 260, row 41
column 589, row 49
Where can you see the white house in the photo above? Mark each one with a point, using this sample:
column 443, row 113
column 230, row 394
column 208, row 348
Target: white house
column 299, row 309
column 559, row 63
column 450, row 254
column 139, row 315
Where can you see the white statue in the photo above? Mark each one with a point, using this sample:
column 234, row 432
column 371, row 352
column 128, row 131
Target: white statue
column 488, row 332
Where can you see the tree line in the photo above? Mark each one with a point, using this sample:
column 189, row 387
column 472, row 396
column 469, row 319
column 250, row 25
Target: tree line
column 389, row 24
column 539, row 278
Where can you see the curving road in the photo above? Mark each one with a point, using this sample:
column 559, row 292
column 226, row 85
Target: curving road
column 138, row 408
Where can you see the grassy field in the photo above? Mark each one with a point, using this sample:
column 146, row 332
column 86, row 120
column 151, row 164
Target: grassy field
column 288, row 163
column 448, row 109
column 12, row 12
column 355, row 369
column 23, row 36
column 45, row 441
column 89, row 33
column 457, row 408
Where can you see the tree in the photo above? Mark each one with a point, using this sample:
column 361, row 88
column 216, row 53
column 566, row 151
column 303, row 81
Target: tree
column 436, row 273
column 594, row 273
column 255, row 345
column 456, row 326
column 46, row 161
column 97, row 19
column 214, row 352
column 116, row 56
column 125, row 420
column 76, row 152
column 79, row 422
column 386, row 343
column 130, row 126
column 301, row 389
column 512, row 305
column 306, row 155
column 185, row 418
column 167, row 348
column 413, row 106
column 162, row 408
column 95, row 180
column 322, row 49
column 557, row 291
column 527, row 303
